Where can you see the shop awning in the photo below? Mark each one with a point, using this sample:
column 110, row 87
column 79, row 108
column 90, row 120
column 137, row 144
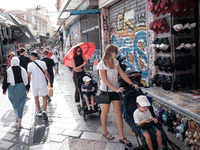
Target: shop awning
column 23, row 37
column 12, row 21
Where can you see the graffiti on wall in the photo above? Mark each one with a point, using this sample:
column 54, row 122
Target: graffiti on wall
column 75, row 33
column 129, row 34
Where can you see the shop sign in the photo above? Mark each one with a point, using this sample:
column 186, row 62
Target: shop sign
column 85, row 12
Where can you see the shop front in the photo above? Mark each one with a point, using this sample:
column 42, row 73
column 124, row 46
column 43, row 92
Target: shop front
column 160, row 38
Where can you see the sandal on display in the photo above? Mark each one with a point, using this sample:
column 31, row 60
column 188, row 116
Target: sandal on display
column 108, row 136
column 126, row 142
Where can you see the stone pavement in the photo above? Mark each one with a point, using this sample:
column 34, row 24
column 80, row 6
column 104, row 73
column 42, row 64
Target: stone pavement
column 10, row 137
column 66, row 129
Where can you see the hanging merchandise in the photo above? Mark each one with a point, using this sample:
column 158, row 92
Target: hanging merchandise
column 1, row 34
column 193, row 135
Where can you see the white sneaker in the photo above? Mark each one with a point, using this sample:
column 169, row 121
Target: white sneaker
column 39, row 114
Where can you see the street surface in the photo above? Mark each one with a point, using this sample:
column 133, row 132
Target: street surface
column 66, row 129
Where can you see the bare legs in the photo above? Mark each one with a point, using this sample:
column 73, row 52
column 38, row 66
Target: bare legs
column 158, row 139
column 37, row 103
column 19, row 123
column 87, row 101
column 118, row 116
column 104, row 114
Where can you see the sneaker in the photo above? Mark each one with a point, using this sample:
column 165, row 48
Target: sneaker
column 27, row 98
column 44, row 115
column 39, row 114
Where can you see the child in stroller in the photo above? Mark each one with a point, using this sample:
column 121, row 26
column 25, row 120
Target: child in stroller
column 84, row 106
column 143, row 118
column 88, row 92
column 129, row 105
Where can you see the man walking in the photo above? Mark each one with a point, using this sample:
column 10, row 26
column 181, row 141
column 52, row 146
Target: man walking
column 24, row 61
column 37, row 72
column 50, row 66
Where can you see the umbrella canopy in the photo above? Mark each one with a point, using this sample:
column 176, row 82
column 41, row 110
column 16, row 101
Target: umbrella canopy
column 87, row 51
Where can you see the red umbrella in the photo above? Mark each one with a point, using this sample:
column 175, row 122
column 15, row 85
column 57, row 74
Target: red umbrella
column 87, row 51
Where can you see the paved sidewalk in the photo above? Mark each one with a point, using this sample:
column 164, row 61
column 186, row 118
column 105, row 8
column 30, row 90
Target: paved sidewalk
column 66, row 129
column 10, row 137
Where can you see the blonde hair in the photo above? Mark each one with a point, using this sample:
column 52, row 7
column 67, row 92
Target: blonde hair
column 109, row 50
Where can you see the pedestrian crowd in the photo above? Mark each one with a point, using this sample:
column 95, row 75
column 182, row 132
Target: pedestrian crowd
column 35, row 68
column 39, row 70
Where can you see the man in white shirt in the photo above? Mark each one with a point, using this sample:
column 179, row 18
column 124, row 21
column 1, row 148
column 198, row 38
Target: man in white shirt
column 37, row 72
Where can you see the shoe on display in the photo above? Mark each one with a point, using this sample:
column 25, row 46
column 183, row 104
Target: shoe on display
column 39, row 114
column 44, row 115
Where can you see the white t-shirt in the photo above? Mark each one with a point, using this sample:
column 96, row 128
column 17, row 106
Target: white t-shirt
column 55, row 58
column 138, row 116
column 112, row 75
column 37, row 76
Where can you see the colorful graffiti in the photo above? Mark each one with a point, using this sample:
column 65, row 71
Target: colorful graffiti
column 75, row 33
column 130, row 36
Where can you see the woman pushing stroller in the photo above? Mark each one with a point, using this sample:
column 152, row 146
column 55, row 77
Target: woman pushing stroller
column 109, row 69
column 142, row 116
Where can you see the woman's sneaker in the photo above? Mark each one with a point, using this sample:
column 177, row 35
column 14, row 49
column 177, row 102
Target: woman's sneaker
column 44, row 115
column 39, row 114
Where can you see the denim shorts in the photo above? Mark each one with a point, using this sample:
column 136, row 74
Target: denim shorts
column 142, row 131
column 112, row 95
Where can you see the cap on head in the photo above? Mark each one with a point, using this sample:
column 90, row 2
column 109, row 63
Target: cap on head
column 143, row 101
column 86, row 78
column 34, row 54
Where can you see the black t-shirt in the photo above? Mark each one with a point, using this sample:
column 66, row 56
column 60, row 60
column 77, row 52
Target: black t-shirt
column 50, row 63
column 24, row 61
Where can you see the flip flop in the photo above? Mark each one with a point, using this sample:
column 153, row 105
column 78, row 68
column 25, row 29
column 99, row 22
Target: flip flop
column 126, row 142
column 108, row 136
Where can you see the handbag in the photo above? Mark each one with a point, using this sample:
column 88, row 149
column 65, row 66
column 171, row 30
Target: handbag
column 50, row 92
column 102, row 98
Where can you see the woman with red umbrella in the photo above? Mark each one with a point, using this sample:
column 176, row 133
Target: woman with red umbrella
column 78, row 65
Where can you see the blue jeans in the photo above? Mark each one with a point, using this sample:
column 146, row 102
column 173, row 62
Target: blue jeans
column 17, row 96
column 57, row 66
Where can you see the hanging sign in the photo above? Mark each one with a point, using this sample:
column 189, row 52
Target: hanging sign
column 84, row 12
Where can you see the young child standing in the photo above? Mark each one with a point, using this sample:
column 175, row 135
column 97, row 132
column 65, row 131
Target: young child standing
column 142, row 115
column 88, row 90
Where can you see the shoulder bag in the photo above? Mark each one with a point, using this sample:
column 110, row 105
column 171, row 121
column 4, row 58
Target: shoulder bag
column 102, row 99
column 42, row 71
column 50, row 90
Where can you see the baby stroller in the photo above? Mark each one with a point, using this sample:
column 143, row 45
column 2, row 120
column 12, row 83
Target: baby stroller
column 129, row 106
column 83, row 106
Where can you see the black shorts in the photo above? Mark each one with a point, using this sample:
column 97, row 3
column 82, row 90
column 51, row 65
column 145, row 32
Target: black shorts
column 112, row 95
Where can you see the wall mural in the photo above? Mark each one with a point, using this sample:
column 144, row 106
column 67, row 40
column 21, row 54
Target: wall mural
column 75, row 33
column 129, row 34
